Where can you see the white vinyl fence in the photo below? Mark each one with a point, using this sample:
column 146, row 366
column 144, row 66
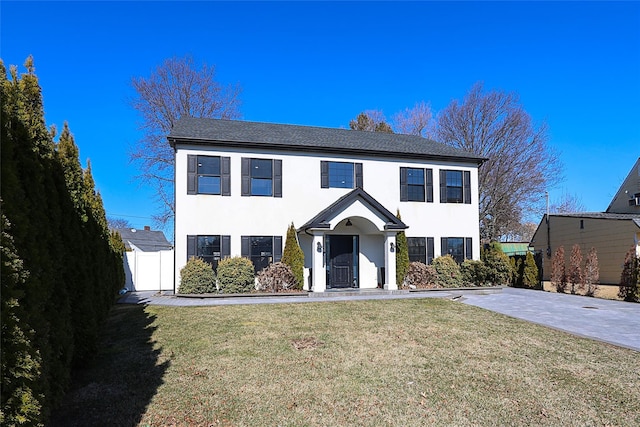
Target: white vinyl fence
column 149, row 271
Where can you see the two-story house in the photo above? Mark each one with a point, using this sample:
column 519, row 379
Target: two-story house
column 239, row 185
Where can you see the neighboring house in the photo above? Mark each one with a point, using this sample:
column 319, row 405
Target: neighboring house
column 239, row 185
column 612, row 233
column 148, row 260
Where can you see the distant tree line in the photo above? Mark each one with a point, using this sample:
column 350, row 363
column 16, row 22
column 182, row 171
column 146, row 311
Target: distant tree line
column 61, row 267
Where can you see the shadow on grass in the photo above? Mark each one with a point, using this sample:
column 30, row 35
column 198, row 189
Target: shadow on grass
column 119, row 383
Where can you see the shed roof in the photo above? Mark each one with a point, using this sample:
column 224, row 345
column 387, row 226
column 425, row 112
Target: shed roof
column 145, row 240
column 190, row 130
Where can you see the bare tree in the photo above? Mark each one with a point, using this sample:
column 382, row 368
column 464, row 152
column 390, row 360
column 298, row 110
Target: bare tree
column 371, row 121
column 567, row 203
column 520, row 165
column 418, row 121
column 175, row 88
column 591, row 273
column 114, row 223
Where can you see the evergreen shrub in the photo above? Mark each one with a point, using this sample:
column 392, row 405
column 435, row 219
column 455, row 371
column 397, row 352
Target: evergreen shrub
column 293, row 256
column 277, row 277
column 629, row 289
column 474, row 272
column 448, row 272
column 402, row 254
column 529, row 272
column 197, row 277
column 420, row 276
column 236, row 275
column 499, row 270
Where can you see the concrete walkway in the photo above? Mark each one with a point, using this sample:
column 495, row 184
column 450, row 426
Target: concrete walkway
column 613, row 322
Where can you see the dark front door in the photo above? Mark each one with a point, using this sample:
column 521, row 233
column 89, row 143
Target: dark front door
column 342, row 263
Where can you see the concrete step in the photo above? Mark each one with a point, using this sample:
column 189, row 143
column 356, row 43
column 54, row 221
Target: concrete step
column 353, row 292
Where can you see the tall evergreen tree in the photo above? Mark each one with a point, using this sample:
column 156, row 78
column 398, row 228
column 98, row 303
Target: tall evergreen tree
column 402, row 255
column 293, row 256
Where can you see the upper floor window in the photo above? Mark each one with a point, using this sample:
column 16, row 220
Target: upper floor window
column 261, row 177
column 455, row 186
column 209, row 175
column 262, row 250
column 416, row 185
column 340, row 175
column 210, row 248
column 459, row 248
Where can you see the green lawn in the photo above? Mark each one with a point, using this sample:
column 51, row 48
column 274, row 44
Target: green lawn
column 395, row 362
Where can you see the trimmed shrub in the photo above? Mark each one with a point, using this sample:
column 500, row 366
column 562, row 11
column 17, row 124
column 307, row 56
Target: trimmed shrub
column 474, row 272
column 293, row 256
column 558, row 272
column 499, row 271
column 629, row 289
column 448, row 272
column 236, row 275
column 420, row 276
column 197, row 277
column 276, row 278
column 529, row 272
column 591, row 273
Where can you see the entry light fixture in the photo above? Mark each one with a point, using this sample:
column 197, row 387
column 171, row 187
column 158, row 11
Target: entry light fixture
column 349, row 223
column 319, row 246
column 392, row 247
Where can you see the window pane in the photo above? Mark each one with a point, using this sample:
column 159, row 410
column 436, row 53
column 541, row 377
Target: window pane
column 454, row 187
column 454, row 178
column 454, row 195
column 261, row 168
column 208, row 165
column 417, row 249
column 261, row 251
column 456, row 248
column 415, row 176
column 208, row 184
column 340, row 175
column 261, row 187
column 209, row 249
column 415, row 193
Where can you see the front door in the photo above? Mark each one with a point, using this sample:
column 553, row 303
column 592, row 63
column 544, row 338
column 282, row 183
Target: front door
column 342, row 271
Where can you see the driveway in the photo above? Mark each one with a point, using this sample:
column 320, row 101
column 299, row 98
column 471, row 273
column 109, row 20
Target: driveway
column 614, row 322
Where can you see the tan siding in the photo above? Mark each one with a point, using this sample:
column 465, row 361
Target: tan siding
column 611, row 238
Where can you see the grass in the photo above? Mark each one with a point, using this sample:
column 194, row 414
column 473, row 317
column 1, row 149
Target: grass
column 397, row 362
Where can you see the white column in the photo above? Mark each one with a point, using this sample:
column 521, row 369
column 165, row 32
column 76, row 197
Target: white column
column 319, row 279
column 390, row 261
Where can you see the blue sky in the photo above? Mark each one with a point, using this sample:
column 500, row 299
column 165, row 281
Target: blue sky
column 575, row 65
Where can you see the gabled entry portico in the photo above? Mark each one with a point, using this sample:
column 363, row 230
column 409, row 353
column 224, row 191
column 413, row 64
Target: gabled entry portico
column 353, row 244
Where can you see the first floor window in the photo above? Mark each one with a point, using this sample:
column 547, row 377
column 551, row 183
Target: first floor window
column 458, row 247
column 209, row 248
column 262, row 250
column 420, row 249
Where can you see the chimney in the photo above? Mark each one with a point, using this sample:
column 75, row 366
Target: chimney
column 147, row 228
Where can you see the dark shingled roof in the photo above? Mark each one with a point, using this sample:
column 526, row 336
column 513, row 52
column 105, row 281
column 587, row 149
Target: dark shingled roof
column 145, row 240
column 601, row 215
column 233, row 133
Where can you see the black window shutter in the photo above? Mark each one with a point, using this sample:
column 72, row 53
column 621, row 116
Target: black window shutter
column 277, row 248
column 277, row 178
column 468, row 248
column 443, row 186
column 191, row 246
column 359, row 177
column 404, row 188
column 192, row 170
column 225, row 249
column 245, row 250
column 324, row 174
column 245, row 167
column 429, row 250
column 225, row 175
column 429, row 184
column 467, row 187
column 444, row 246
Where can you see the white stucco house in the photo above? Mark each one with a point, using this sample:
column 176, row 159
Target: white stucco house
column 239, row 185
